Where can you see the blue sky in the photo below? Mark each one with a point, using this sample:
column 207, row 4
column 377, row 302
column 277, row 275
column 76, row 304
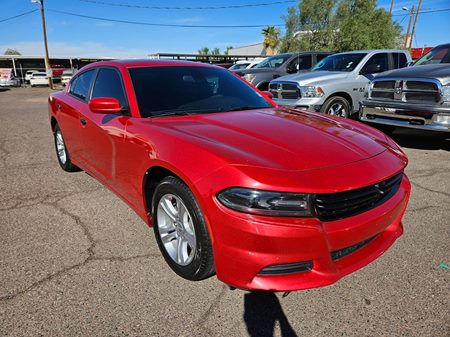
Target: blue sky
column 73, row 36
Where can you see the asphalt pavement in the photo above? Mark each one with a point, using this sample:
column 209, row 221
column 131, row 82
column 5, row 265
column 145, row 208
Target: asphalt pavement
column 76, row 261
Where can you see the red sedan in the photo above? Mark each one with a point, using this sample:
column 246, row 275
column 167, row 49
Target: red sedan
column 265, row 197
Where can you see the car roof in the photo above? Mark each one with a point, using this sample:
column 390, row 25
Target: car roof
column 148, row 63
column 374, row 51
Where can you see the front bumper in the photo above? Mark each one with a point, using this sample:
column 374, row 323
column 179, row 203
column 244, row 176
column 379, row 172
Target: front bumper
column 311, row 104
column 247, row 244
column 421, row 117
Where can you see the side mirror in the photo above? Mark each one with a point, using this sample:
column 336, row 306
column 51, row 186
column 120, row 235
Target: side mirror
column 104, row 105
column 268, row 94
column 372, row 69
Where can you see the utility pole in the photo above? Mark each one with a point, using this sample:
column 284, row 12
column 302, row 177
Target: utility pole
column 48, row 69
column 392, row 6
column 414, row 25
column 407, row 37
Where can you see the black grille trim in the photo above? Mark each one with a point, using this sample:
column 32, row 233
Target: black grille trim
column 289, row 268
column 339, row 254
column 341, row 205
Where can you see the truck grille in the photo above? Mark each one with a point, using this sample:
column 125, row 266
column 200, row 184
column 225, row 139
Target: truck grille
column 341, row 205
column 284, row 90
column 406, row 90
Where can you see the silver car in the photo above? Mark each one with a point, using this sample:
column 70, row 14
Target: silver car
column 337, row 84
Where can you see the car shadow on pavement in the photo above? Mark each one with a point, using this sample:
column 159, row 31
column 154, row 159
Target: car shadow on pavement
column 421, row 140
column 261, row 312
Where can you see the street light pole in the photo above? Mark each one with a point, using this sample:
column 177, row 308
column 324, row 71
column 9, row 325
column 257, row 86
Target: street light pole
column 48, row 69
column 392, row 6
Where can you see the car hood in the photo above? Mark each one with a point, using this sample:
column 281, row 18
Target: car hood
column 313, row 77
column 440, row 72
column 276, row 138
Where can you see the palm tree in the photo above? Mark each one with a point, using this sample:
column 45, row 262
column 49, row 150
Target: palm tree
column 271, row 39
column 203, row 51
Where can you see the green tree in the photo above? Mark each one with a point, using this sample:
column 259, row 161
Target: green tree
column 339, row 25
column 12, row 51
column 364, row 26
column 227, row 50
column 215, row 51
column 271, row 39
column 203, row 51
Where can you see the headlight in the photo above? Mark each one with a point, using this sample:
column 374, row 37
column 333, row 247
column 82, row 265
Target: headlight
column 266, row 202
column 311, row 91
column 445, row 91
column 249, row 77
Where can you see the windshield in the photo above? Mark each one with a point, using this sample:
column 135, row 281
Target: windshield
column 239, row 66
column 274, row 61
column 339, row 62
column 181, row 90
column 434, row 56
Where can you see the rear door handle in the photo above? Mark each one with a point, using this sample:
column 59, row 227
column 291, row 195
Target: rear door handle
column 83, row 121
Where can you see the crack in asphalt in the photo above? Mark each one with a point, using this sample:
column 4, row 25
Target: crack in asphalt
column 420, row 209
column 428, row 173
column 201, row 322
column 3, row 152
column 431, row 190
column 90, row 250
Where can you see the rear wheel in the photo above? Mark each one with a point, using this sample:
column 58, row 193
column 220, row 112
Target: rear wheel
column 61, row 152
column 336, row 106
column 181, row 230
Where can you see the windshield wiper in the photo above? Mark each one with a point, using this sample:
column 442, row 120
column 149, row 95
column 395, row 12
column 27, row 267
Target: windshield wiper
column 163, row 113
column 246, row 107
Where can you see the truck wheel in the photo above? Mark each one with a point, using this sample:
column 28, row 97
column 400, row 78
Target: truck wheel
column 336, row 106
column 181, row 230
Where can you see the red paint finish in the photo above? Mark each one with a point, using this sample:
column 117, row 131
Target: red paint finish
column 270, row 149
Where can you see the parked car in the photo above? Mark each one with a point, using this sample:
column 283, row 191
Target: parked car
column 268, row 198
column 66, row 77
column 280, row 65
column 57, row 71
column 28, row 75
column 337, row 84
column 38, row 78
column 7, row 78
column 246, row 64
column 415, row 97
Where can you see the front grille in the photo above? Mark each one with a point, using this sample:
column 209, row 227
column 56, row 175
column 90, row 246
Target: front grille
column 338, row 254
column 284, row 90
column 406, row 90
column 335, row 206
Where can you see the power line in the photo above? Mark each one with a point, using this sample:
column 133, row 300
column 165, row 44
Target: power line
column 189, row 8
column 159, row 24
column 18, row 15
column 429, row 11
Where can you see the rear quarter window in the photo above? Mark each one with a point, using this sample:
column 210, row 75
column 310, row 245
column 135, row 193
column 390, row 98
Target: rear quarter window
column 80, row 87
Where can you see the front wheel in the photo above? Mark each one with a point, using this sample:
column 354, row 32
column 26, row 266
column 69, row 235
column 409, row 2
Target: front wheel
column 181, row 230
column 336, row 106
column 61, row 152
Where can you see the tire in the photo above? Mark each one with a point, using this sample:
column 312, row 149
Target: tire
column 387, row 129
column 181, row 231
column 336, row 106
column 61, row 152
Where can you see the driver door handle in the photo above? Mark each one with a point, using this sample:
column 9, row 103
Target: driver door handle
column 83, row 121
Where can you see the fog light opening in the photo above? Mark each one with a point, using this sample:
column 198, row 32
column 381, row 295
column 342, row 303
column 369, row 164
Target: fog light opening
column 289, row 268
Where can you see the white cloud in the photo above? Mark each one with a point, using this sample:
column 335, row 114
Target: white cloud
column 83, row 49
column 189, row 20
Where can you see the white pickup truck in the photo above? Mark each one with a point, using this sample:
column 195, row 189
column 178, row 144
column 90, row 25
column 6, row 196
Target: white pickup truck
column 337, row 84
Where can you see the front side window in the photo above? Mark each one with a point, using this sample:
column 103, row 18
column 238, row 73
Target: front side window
column 299, row 63
column 173, row 90
column 435, row 55
column 239, row 66
column 339, row 62
column 109, row 84
column 80, row 88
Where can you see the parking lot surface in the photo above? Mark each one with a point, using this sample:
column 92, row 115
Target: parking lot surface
column 76, row 261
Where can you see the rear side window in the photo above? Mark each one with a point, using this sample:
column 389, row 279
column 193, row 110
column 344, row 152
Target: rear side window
column 109, row 84
column 399, row 60
column 299, row 63
column 80, row 88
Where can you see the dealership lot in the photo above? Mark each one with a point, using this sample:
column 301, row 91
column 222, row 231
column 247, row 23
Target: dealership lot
column 75, row 260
